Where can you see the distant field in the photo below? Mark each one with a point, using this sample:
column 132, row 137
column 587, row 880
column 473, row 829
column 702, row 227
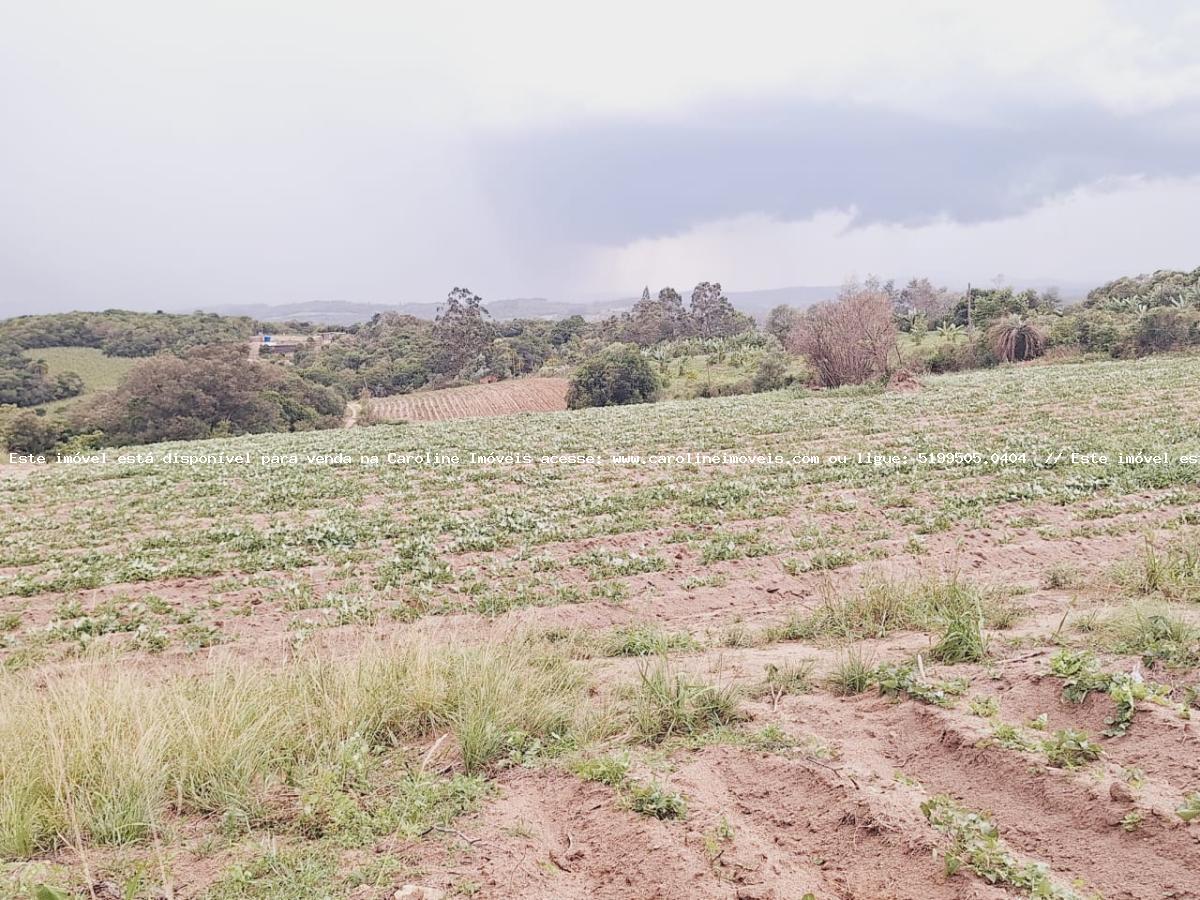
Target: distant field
column 473, row 401
column 99, row 372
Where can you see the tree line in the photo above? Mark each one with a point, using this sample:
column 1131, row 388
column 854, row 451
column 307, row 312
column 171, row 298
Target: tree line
column 196, row 380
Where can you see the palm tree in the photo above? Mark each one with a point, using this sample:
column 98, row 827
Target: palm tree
column 1015, row 340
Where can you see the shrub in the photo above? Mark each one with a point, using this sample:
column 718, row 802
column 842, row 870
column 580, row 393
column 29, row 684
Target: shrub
column 1015, row 340
column 614, row 378
column 1163, row 329
column 849, row 341
column 771, row 373
column 27, row 432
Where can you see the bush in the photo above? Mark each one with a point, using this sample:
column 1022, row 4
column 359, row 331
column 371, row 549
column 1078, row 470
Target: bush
column 1163, row 329
column 27, row 432
column 1092, row 330
column 849, row 341
column 771, row 373
column 614, row 378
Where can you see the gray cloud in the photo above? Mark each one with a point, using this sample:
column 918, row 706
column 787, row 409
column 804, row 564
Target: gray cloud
column 617, row 181
column 168, row 156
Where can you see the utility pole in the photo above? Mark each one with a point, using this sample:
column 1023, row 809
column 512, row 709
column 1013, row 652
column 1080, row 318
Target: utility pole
column 970, row 315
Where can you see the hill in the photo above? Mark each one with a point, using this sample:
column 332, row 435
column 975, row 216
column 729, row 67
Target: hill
column 338, row 312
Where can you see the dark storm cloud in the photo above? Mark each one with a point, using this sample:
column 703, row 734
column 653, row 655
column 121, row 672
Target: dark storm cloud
column 620, row 180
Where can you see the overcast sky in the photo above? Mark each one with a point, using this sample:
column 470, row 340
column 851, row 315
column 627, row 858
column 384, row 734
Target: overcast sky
column 164, row 155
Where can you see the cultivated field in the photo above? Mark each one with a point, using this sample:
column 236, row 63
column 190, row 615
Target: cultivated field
column 465, row 668
column 501, row 398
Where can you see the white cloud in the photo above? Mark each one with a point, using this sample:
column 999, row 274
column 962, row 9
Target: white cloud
column 1103, row 231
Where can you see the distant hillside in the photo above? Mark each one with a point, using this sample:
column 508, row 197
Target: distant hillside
column 344, row 312
column 754, row 303
column 340, row 312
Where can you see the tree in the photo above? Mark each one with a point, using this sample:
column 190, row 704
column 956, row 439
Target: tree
column 463, row 329
column 27, row 382
column 1015, row 340
column 780, row 321
column 562, row 331
column 615, row 377
column 712, row 315
column 771, row 373
column 851, row 340
column 212, row 390
column 654, row 320
column 920, row 296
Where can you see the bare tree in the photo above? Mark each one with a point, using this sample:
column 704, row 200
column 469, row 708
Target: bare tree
column 851, row 340
column 920, row 296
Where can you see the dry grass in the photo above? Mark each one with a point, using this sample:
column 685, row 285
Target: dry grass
column 104, row 755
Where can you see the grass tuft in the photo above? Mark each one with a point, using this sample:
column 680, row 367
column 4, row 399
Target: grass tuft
column 670, row 704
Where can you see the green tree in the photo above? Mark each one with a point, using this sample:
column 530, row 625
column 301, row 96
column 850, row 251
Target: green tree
column 712, row 315
column 780, row 321
column 617, row 376
column 462, row 329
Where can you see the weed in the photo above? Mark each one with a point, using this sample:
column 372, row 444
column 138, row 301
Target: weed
column 884, row 606
column 984, row 707
column 107, row 754
column 1173, row 572
column 962, row 637
column 852, row 676
column 653, row 799
column 647, row 799
column 668, row 704
column 645, row 640
column 610, row 770
column 1060, row 576
column 716, row 838
column 1190, row 808
column 280, row 874
column 1069, row 749
column 976, row 842
column 787, row 678
column 1155, row 636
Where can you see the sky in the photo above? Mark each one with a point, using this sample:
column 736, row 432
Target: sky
column 168, row 155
